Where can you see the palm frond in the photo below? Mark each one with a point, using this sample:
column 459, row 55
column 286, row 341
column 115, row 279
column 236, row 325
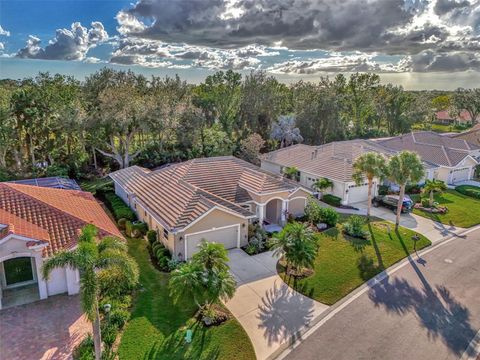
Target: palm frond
column 111, row 242
column 61, row 259
column 89, row 293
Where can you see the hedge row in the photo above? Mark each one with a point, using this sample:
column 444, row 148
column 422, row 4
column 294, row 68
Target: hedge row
column 332, row 200
column 468, row 190
column 118, row 207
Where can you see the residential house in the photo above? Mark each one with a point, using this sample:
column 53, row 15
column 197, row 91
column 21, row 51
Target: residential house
column 447, row 159
column 471, row 136
column 209, row 198
column 36, row 223
column 447, row 117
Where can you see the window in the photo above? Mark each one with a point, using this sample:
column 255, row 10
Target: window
column 165, row 233
column 18, row 270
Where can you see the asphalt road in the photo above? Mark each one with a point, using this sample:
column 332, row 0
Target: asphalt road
column 428, row 310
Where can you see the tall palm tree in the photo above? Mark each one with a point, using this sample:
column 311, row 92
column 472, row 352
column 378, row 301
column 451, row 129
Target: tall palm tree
column 90, row 258
column 369, row 165
column 432, row 186
column 323, row 184
column 403, row 168
column 298, row 244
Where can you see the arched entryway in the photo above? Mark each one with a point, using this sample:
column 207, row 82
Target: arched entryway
column 273, row 211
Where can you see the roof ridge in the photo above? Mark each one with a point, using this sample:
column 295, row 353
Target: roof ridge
column 54, row 207
column 446, row 155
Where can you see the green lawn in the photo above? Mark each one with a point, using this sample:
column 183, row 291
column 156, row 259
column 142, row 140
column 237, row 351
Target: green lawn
column 344, row 263
column 463, row 210
column 157, row 327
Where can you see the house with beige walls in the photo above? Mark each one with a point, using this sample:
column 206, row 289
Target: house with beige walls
column 208, row 198
column 445, row 158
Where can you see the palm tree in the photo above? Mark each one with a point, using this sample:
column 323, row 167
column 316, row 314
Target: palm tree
column 322, row 184
column 403, row 168
column 298, row 244
column 90, row 258
column 369, row 165
column 432, row 186
column 205, row 278
column 291, row 172
column 284, row 130
column 211, row 255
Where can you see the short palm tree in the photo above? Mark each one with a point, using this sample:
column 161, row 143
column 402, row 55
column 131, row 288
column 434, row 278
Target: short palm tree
column 433, row 186
column 211, row 255
column 205, row 278
column 90, row 258
column 291, row 172
column 323, row 184
column 298, row 244
column 403, row 168
column 369, row 165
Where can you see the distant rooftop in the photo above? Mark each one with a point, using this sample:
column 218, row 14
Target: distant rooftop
column 50, row 182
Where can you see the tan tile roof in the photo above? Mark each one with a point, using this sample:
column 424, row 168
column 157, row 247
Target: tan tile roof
column 180, row 193
column 471, row 136
column 432, row 147
column 333, row 161
column 59, row 213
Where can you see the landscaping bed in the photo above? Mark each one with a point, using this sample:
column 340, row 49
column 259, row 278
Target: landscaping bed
column 157, row 327
column 343, row 263
column 463, row 210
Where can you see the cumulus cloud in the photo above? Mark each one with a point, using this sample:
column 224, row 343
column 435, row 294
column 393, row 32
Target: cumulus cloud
column 4, row 32
column 429, row 60
column 68, row 44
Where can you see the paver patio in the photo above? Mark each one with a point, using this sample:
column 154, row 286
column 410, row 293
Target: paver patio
column 46, row 329
column 270, row 311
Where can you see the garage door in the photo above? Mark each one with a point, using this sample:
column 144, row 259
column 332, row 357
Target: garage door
column 357, row 193
column 460, row 175
column 228, row 236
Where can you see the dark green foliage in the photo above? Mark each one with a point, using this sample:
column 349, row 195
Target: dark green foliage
column 57, row 170
column 469, row 190
column 141, row 227
column 413, row 189
column 383, row 189
column 84, row 350
column 329, row 216
column 128, row 228
column 151, row 236
column 162, row 256
column 122, row 223
column 118, row 207
column 355, row 227
column 6, row 175
column 332, row 200
column 109, row 333
column 119, row 317
column 319, row 214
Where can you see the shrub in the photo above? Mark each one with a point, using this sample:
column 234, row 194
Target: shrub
column 329, row 216
column 425, row 202
column 118, row 207
column 109, row 334
column 355, row 227
column 85, row 350
column 255, row 245
column 173, row 264
column 119, row 317
column 157, row 245
column 472, row 191
column 312, row 211
column 151, row 236
column 332, row 200
column 140, row 226
column 413, row 189
column 121, row 223
column 114, row 282
column 128, row 228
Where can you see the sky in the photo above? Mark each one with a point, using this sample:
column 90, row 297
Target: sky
column 420, row 44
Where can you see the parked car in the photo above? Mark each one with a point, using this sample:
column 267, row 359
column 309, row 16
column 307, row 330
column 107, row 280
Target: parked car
column 391, row 201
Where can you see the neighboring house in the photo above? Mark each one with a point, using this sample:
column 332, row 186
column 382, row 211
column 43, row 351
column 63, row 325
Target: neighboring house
column 210, row 198
column 471, row 136
column 446, row 117
column 446, row 159
column 35, row 223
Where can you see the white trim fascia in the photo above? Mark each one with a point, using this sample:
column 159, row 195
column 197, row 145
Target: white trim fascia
column 23, row 238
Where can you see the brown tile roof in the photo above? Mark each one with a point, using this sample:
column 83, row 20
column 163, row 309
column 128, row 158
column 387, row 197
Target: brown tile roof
column 471, row 136
column 333, row 161
column 463, row 116
column 55, row 215
column 180, row 193
column 432, row 147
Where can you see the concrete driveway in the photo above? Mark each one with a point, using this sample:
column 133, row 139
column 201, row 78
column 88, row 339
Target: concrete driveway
column 46, row 329
column 270, row 311
column 433, row 230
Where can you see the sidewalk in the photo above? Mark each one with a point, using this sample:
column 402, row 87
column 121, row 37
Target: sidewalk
column 434, row 231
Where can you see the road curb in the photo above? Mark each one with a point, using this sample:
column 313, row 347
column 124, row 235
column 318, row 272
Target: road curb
column 296, row 339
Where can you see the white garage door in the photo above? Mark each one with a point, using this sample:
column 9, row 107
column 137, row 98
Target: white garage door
column 460, row 175
column 357, row 193
column 228, row 236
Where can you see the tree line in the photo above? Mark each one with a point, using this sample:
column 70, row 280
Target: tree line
column 58, row 125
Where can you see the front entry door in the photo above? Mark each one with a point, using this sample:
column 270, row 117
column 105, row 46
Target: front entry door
column 18, row 270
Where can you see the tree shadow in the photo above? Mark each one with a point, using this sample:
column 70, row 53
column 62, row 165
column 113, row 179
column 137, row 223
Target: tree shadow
column 437, row 311
column 283, row 313
column 375, row 246
column 367, row 267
